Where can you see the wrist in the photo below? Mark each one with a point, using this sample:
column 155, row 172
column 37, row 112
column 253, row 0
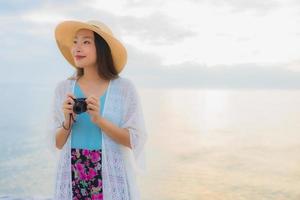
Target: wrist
column 66, row 126
column 66, row 123
column 99, row 121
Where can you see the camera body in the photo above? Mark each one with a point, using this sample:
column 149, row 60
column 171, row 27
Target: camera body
column 80, row 105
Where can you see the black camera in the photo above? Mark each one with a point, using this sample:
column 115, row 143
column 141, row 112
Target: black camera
column 80, row 105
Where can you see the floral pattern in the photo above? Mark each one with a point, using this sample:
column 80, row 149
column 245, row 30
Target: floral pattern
column 86, row 174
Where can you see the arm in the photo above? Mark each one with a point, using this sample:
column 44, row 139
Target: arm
column 61, row 136
column 133, row 121
column 120, row 135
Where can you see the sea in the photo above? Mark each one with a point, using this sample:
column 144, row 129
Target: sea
column 203, row 144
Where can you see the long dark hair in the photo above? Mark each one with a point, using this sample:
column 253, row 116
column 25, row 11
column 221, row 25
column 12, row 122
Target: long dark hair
column 105, row 65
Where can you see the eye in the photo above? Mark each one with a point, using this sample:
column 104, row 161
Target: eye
column 74, row 42
column 86, row 42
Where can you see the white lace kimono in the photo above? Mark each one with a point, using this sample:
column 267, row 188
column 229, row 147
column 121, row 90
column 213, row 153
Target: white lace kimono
column 120, row 164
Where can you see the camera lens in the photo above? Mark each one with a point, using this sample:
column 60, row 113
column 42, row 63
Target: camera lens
column 80, row 105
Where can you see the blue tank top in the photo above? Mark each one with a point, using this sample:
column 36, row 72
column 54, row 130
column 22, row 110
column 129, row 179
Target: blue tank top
column 86, row 134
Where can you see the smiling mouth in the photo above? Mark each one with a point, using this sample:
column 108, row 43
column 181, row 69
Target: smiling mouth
column 79, row 57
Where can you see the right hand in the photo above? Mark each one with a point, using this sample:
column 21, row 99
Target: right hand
column 68, row 109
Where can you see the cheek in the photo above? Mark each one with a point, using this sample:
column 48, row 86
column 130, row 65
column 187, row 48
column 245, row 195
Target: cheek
column 93, row 53
column 72, row 50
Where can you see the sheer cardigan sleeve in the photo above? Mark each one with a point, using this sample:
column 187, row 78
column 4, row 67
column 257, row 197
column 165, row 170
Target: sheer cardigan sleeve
column 133, row 120
column 56, row 116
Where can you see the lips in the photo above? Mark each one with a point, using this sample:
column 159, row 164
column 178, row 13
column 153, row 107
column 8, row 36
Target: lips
column 79, row 57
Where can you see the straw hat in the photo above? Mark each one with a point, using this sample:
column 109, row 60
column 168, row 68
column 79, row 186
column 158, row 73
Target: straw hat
column 65, row 33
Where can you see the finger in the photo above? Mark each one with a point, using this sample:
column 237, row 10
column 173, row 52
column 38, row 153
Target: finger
column 93, row 101
column 70, row 101
column 87, row 100
column 68, row 106
column 92, row 97
column 92, row 107
column 67, row 111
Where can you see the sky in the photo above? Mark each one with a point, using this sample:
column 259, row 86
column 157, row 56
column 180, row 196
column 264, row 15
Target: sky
column 170, row 43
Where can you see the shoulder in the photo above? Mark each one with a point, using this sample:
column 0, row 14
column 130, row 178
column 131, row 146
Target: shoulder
column 127, row 88
column 63, row 84
column 125, row 83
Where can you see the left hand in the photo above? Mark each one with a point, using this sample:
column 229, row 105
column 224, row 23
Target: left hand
column 93, row 108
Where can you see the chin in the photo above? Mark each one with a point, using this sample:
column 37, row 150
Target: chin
column 79, row 66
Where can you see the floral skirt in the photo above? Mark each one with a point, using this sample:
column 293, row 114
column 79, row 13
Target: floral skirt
column 86, row 174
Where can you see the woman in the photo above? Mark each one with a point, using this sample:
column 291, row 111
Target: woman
column 100, row 140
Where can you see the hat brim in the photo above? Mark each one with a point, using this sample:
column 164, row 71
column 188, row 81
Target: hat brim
column 66, row 31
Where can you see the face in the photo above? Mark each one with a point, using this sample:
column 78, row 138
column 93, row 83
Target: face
column 83, row 49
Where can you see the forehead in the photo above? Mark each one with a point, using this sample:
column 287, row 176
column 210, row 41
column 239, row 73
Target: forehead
column 84, row 33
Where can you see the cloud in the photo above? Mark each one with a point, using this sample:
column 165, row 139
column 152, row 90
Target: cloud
column 17, row 6
column 255, row 6
column 141, row 4
column 147, row 70
column 155, row 28
column 28, row 40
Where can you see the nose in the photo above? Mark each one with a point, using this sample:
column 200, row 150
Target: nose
column 76, row 48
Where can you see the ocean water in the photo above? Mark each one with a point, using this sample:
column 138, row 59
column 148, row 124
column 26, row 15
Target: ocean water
column 223, row 144
column 203, row 144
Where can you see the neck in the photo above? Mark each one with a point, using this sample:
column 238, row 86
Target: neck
column 91, row 75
